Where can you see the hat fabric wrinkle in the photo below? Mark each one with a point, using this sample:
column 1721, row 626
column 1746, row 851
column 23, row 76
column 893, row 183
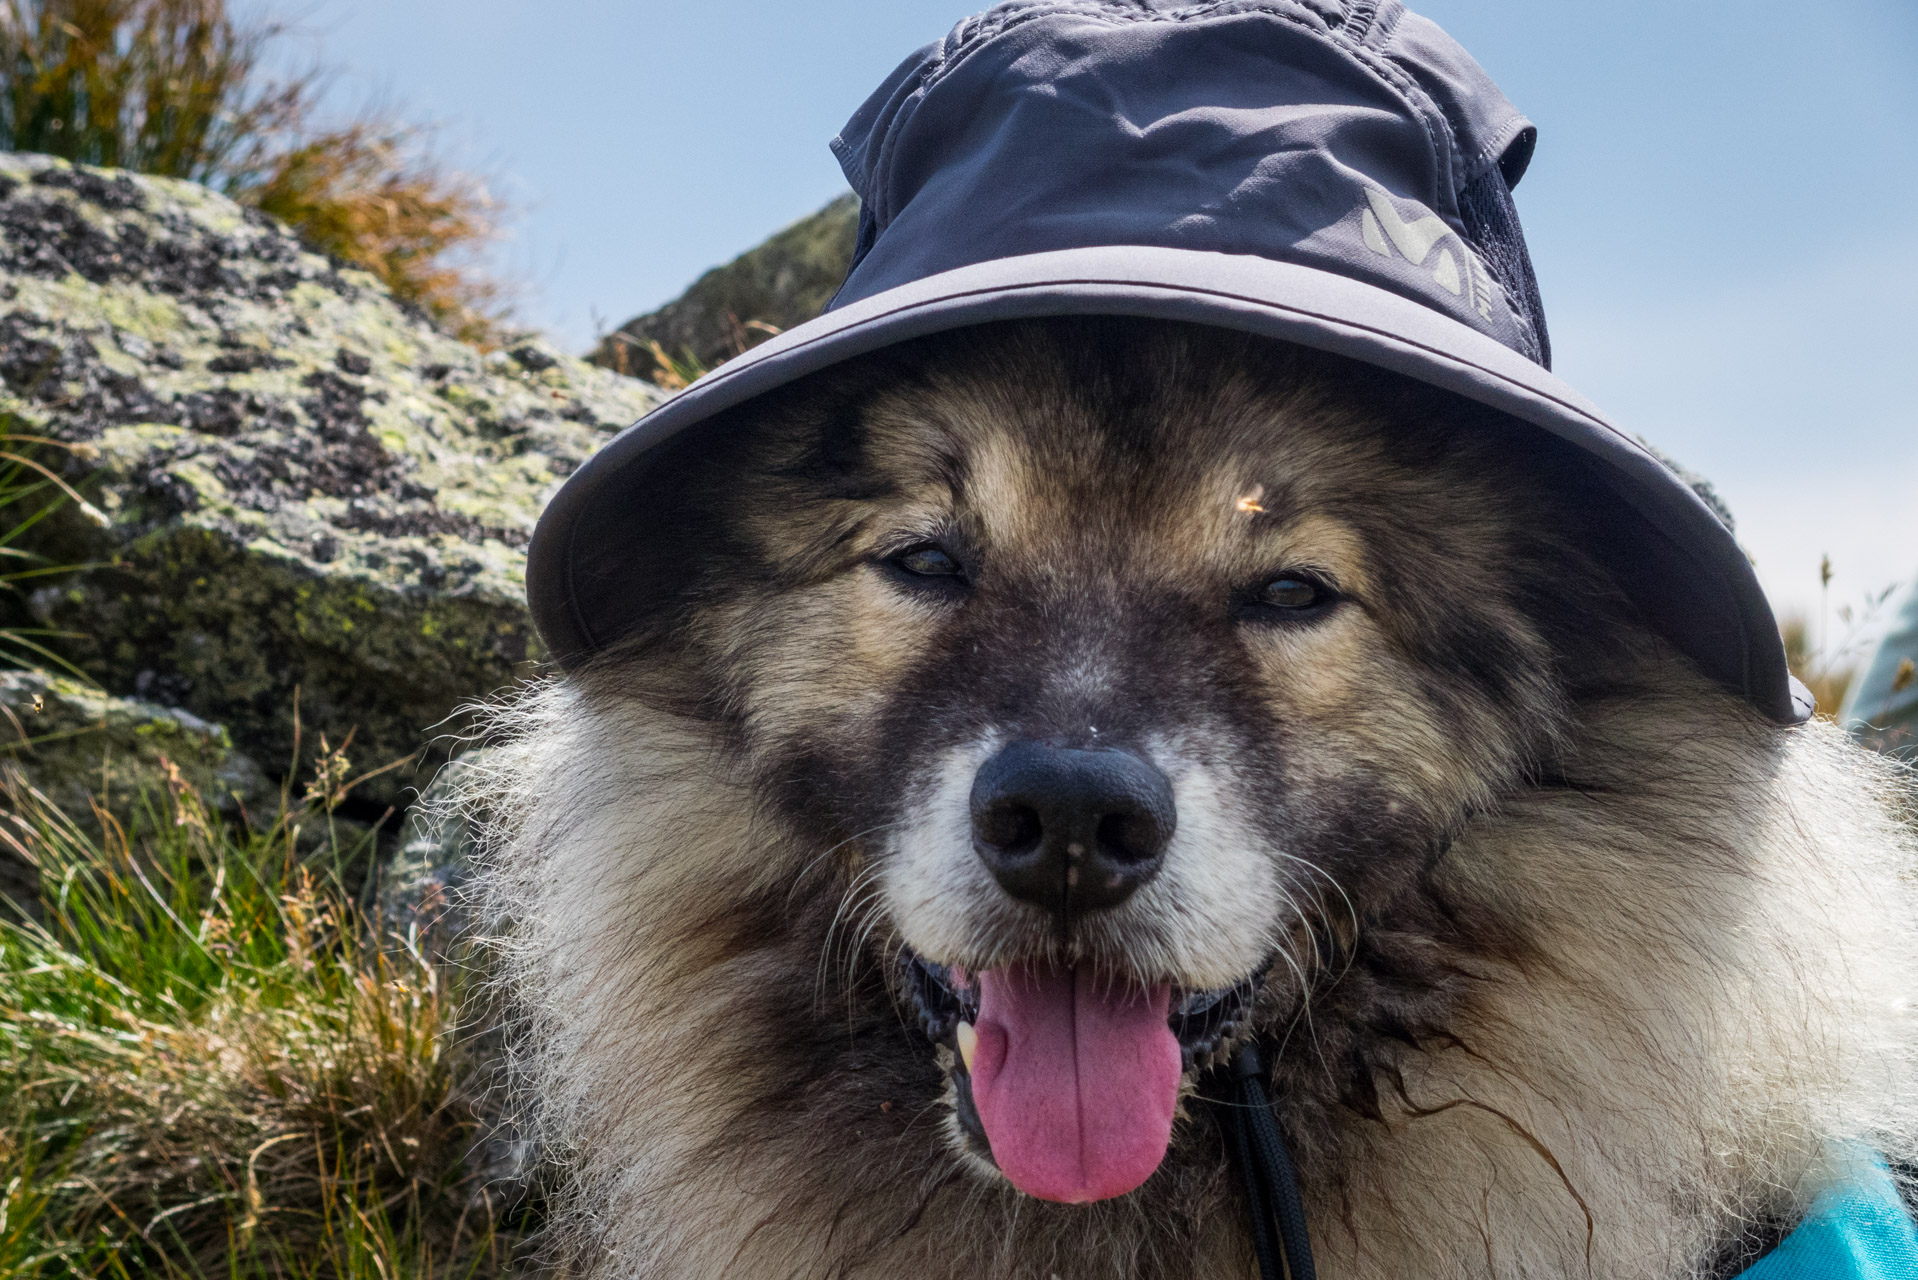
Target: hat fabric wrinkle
column 1337, row 175
column 1229, row 127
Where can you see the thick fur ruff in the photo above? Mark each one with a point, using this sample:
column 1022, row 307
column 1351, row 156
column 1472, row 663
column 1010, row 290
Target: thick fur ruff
column 1583, row 968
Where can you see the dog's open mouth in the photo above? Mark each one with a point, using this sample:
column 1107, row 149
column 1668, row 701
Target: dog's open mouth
column 1066, row 1078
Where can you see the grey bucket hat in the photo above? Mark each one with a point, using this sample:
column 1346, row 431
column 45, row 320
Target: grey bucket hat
column 1333, row 173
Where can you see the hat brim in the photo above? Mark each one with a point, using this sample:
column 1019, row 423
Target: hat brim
column 1700, row 584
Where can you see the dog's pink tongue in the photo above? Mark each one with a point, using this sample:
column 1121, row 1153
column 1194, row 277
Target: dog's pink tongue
column 1075, row 1079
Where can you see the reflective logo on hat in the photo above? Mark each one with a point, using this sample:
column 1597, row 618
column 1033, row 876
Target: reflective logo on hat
column 1416, row 240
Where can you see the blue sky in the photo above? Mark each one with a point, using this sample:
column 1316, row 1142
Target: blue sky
column 1723, row 210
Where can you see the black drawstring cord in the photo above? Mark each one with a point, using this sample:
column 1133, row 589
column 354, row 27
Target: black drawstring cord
column 1274, row 1211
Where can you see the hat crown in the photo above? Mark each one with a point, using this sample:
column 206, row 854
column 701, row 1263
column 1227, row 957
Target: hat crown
column 1356, row 138
column 1334, row 174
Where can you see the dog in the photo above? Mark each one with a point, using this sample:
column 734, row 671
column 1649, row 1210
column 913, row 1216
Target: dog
column 1043, row 709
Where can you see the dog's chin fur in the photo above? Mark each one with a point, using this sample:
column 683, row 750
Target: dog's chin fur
column 1675, row 963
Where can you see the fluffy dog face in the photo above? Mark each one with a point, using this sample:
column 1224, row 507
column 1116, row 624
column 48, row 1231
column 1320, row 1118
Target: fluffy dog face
column 1020, row 719
column 1326, row 614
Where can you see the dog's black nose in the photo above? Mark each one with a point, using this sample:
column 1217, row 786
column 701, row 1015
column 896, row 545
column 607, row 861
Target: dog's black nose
column 1071, row 831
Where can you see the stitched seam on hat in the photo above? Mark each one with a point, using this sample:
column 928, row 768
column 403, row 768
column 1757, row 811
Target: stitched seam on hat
column 878, row 194
column 976, row 32
column 1385, row 17
column 1359, row 17
column 1445, row 155
column 1494, row 151
column 1385, row 23
column 969, row 35
column 973, row 34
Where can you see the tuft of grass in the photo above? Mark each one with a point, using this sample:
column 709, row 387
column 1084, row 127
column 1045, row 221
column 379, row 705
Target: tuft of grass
column 183, row 89
column 26, row 1196
column 221, row 1065
column 1827, row 661
column 1826, row 675
column 30, row 491
column 631, row 357
column 674, row 373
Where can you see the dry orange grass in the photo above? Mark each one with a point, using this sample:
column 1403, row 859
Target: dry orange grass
column 376, row 199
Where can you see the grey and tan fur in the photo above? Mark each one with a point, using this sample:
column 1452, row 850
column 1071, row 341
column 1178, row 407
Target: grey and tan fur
column 1582, row 968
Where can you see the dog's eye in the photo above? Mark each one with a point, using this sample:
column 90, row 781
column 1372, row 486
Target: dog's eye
column 927, row 560
column 1295, row 596
column 1290, row 593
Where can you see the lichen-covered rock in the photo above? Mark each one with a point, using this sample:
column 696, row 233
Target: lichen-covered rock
column 785, row 281
column 301, row 483
column 78, row 746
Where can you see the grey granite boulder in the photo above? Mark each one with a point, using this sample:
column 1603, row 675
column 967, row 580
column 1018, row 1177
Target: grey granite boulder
column 300, row 484
column 785, row 281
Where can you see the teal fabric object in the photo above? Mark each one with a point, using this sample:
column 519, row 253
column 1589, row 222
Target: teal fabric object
column 1882, row 707
column 1857, row 1231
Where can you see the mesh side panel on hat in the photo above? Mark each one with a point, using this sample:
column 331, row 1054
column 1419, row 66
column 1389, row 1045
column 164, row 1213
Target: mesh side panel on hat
column 1491, row 224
